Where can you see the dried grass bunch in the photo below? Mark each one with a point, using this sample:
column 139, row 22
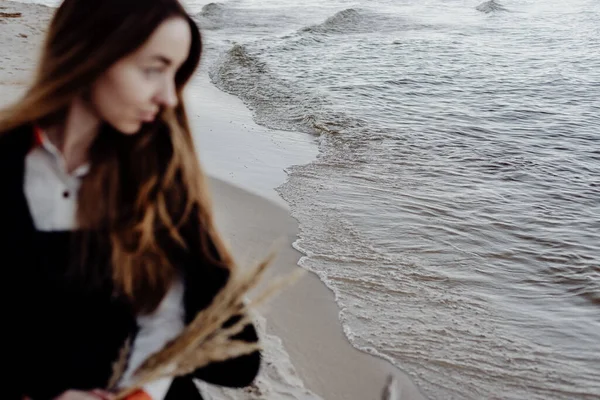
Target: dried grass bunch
column 205, row 340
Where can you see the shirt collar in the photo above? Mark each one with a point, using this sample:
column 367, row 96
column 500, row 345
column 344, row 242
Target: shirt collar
column 41, row 140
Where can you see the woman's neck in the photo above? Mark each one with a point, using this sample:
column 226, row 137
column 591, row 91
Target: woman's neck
column 75, row 136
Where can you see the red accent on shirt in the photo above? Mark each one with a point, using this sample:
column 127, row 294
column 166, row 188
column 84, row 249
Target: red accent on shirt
column 139, row 395
column 38, row 133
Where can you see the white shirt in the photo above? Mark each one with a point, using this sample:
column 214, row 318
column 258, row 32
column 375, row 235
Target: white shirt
column 51, row 194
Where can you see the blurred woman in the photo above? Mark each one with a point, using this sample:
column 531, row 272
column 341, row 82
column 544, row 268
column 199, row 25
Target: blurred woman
column 107, row 229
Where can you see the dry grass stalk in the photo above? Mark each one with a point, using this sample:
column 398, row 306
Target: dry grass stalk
column 120, row 365
column 205, row 340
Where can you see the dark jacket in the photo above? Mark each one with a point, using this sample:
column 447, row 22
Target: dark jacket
column 63, row 334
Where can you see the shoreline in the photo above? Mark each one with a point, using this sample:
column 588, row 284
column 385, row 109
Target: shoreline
column 304, row 316
column 251, row 215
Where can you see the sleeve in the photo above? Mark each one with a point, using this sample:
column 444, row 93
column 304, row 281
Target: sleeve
column 238, row 372
column 14, row 294
column 13, row 388
column 204, row 280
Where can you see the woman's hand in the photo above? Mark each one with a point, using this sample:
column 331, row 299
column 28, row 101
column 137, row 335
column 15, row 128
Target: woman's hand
column 92, row 395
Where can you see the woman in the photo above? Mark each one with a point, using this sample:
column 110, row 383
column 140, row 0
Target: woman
column 107, row 231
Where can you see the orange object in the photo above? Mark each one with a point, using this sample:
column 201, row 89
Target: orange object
column 37, row 135
column 139, row 395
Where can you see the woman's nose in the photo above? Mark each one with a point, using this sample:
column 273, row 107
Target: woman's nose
column 168, row 96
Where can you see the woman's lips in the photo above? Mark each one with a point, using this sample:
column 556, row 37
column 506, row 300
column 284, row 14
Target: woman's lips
column 148, row 117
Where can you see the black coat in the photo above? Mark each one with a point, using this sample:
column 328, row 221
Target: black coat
column 62, row 334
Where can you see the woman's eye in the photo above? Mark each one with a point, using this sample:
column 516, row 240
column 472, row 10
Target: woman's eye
column 152, row 71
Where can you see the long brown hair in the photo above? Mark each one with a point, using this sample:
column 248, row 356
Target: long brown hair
column 142, row 188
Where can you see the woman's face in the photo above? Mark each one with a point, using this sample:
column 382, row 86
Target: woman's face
column 132, row 91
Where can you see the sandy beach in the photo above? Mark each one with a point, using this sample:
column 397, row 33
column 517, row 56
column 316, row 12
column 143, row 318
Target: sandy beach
column 306, row 352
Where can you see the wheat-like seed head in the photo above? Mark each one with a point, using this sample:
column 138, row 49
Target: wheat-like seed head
column 205, row 340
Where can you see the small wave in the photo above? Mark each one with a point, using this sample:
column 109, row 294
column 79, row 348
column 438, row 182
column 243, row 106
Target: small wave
column 582, row 280
column 490, row 7
column 217, row 16
column 341, row 22
column 212, row 16
column 238, row 55
column 276, row 102
column 353, row 20
column 212, row 10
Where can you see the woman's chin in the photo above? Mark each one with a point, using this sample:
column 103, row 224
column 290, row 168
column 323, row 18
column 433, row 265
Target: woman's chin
column 130, row 128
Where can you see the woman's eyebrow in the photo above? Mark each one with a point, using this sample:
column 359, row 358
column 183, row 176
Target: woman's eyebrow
column 162, row 59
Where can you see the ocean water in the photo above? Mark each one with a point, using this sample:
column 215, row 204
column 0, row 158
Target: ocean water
column 454, row 206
